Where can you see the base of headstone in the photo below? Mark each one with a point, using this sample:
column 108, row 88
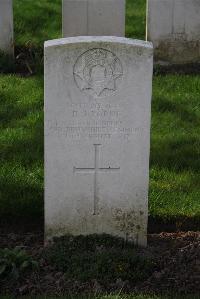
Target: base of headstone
column 173, row 26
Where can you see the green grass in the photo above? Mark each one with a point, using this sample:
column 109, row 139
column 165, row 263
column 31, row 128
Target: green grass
column 175, row 142
column 21, row 146
column 175, row 146
column 136, row 19
column 36, row 21
column 40, row 20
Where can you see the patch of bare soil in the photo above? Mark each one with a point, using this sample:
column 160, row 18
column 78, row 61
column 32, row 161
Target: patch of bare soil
column 177, row 258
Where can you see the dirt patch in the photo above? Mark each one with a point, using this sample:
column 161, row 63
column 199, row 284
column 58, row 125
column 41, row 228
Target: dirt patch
column 177, row 268
column 179, row 263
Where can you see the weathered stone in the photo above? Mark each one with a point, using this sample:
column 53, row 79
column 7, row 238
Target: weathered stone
column 174, row 28
column 93, row 17
column 97, row 127
column 6, row 27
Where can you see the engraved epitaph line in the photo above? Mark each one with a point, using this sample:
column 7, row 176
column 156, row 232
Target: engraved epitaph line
column 95, row 170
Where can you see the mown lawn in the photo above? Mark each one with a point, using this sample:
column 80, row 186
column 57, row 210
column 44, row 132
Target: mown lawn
column 175, row 147
column 175, row 137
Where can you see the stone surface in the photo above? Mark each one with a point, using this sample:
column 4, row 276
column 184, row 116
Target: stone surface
column 6, row 26
column 174, row 28
column 93, row 17
column 97, row 133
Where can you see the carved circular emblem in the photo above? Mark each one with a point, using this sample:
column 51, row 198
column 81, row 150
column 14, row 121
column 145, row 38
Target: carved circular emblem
column 98, row 72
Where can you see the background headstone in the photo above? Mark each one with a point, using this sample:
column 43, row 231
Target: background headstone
column 97, row 135
column 93, row 17
column 174, row 28
column 6, row 27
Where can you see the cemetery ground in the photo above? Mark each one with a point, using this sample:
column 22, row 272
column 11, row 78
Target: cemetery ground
column 109, row 297
column 96, row 264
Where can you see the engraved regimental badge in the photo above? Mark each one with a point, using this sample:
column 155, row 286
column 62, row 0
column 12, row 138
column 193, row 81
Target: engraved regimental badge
column 98, row 72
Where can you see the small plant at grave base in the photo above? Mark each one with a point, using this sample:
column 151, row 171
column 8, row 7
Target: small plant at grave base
column 15, row 262
column 29, row 59
column 100, row 257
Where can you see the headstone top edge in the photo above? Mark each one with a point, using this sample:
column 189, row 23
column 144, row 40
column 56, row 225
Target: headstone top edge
column 96, row 39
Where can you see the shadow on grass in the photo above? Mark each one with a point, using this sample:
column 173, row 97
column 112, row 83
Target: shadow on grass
column 158, row 224
column 162, row 105
column 26, row 149
column 176, row 147
column 23, row 202
column 21, row 196
column 21, row 184
column 10, row 109
column 7, row 64
column 176, row 154
column 28, row 60
column 21, row 150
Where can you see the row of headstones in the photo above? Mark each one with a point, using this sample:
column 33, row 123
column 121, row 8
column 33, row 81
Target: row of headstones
column 172, row 25
column 97, row 125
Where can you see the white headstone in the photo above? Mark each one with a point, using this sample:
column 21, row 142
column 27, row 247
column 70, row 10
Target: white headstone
column 97, row 133
column 174, row 28
column 6, row 27
column 93, row 17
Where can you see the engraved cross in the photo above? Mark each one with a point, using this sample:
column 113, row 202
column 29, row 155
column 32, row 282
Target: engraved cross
column 96, row 170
